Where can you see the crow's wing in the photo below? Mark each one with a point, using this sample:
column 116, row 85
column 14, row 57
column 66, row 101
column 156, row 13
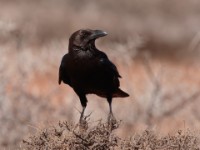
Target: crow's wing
column 110, row 71
column 63, row 75
column 109, row 67
column 60, row 74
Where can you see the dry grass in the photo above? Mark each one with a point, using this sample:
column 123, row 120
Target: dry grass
column 99, row 136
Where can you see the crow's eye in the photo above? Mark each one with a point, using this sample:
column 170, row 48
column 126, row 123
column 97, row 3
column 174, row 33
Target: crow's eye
column 84, row 34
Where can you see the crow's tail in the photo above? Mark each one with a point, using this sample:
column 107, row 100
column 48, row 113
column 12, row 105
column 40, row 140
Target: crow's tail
column 120, row 93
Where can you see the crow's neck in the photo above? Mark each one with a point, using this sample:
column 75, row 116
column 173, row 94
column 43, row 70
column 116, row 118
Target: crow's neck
column 91, row 47
column 77, row 48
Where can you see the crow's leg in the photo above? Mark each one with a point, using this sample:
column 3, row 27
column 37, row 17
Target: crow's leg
column 111, row 117
column 82, row 113
column 83, row 100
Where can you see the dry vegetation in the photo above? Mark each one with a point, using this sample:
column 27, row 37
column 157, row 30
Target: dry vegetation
column 155, row 45
column 100, row 137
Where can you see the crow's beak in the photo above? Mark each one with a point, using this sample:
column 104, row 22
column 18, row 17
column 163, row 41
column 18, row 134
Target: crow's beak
column 97, row 34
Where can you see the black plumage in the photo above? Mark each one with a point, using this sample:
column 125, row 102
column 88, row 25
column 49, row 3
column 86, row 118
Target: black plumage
column 88, row 70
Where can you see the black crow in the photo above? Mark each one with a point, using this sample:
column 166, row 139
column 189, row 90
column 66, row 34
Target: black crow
column 88, row 70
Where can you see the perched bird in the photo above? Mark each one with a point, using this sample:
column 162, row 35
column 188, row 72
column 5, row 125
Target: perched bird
column 88, row 70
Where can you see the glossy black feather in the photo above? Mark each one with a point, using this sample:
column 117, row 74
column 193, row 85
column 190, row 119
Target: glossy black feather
column 88, row 70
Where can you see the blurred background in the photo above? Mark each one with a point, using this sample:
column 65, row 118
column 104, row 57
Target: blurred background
column 155, row 45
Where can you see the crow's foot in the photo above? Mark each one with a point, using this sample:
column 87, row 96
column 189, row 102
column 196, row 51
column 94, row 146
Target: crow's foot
column 112, row 122
column 83, row 122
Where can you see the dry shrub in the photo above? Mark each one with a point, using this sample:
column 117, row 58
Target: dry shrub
column 73, row 136
column 149, row 140
column 100, row 136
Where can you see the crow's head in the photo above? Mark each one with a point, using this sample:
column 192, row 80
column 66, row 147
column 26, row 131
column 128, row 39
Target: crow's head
column 83, row 38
